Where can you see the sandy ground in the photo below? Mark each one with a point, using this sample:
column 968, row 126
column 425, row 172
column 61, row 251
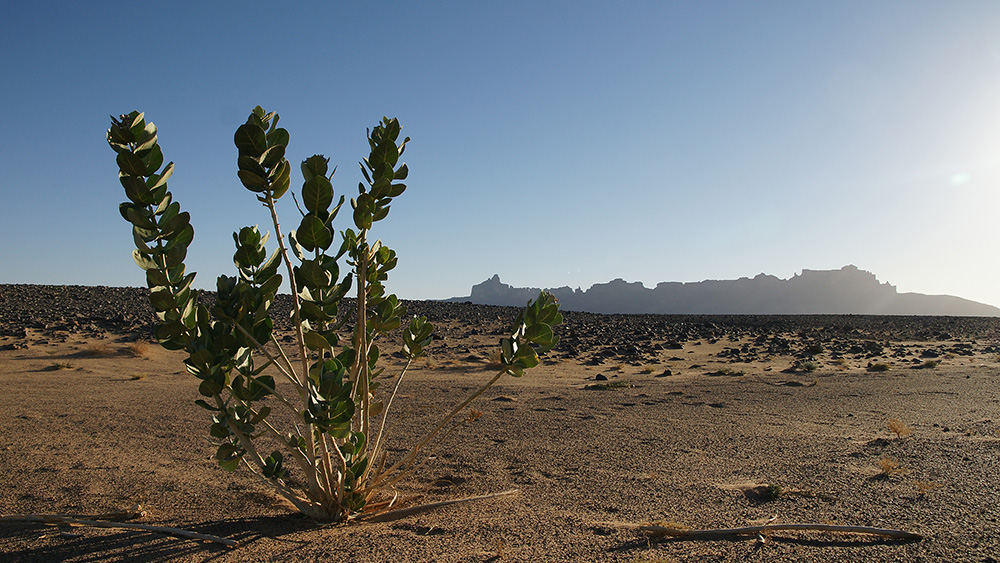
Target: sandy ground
column 94, row 423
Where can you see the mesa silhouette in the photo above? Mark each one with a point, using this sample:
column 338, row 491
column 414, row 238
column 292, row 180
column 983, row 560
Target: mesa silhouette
column 846, row 291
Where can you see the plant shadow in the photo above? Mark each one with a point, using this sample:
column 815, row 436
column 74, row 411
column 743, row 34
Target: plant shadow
column 33, row 541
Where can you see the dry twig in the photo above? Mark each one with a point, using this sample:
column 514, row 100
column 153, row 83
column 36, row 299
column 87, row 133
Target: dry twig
column 753, row 530
column 73, row 519
column 409, row 511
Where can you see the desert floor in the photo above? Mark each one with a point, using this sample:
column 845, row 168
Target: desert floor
column 697, row 421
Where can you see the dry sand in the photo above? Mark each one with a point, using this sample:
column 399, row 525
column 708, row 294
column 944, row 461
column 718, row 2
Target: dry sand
column 92, row 423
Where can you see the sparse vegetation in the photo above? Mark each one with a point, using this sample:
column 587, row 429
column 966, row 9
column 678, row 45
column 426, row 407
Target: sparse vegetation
column 137, row 349
column 928, row 364
column 897, row 427
column 925, row 487
column 889, row 467
column 56, row 366
column 97, row 349
column 809, row 366
column 336, row 442
column 878, row 366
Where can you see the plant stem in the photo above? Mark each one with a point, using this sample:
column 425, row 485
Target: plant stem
column 385, row 416
column 413, row 452
column 297, row 316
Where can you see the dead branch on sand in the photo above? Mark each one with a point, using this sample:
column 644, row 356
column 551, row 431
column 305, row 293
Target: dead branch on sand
column 76, row 520
column 409, row 511
column 682, row 533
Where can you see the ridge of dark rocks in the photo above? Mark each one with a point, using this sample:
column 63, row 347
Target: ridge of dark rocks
column 126, row 310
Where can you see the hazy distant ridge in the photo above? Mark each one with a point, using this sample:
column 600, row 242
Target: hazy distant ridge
column 834, row 292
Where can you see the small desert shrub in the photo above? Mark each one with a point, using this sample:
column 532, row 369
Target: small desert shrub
column 647, row 370
column 841, row 363
column 889, row 467
column 56, row 366
column 897, row 427
column 728, row 371
column 924, row 487
column 137, row 349
column 809, row 366
column 929, row 364
column 878, row 366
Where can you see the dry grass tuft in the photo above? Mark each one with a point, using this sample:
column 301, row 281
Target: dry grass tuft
column 897, row 427
column 889, row 467
column 137, row 349
column 56, row 366
column 878, row 366
column 924, row 487
column 494, row 360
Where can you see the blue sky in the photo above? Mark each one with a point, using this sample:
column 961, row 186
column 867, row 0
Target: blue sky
column 555, row 144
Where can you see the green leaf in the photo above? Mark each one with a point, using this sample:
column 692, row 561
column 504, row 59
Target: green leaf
column 144, row 261
column 364, row 208
column 140, row 218
column 250, row 140
column 162, row 299
column 280, row 179
column 131, row 164
column 209, row 388
column 153, row 160
column 314, row 341
column 182, row 238
column 158, row 180
column 278, row 137
column 317, row 194
column 311, row 274
column 313, row 234
column 540, row 333
column 250, row 164
column 272, row 156
column 252, row 181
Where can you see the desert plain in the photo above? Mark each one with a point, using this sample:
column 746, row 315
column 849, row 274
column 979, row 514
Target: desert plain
column 696, row 422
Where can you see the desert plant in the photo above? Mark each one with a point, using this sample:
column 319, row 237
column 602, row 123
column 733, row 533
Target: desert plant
column 137, row 349
column 898, row 428
column 97, row 349
column 889, row 467
column 878, row 366
column 925, row 487
column 338, row 431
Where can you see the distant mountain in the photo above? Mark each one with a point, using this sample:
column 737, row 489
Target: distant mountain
column 848, row 290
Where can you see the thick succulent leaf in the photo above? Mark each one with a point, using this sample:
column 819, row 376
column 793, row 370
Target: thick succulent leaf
column 250, row 140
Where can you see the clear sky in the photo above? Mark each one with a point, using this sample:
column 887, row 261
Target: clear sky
column 554, row 143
